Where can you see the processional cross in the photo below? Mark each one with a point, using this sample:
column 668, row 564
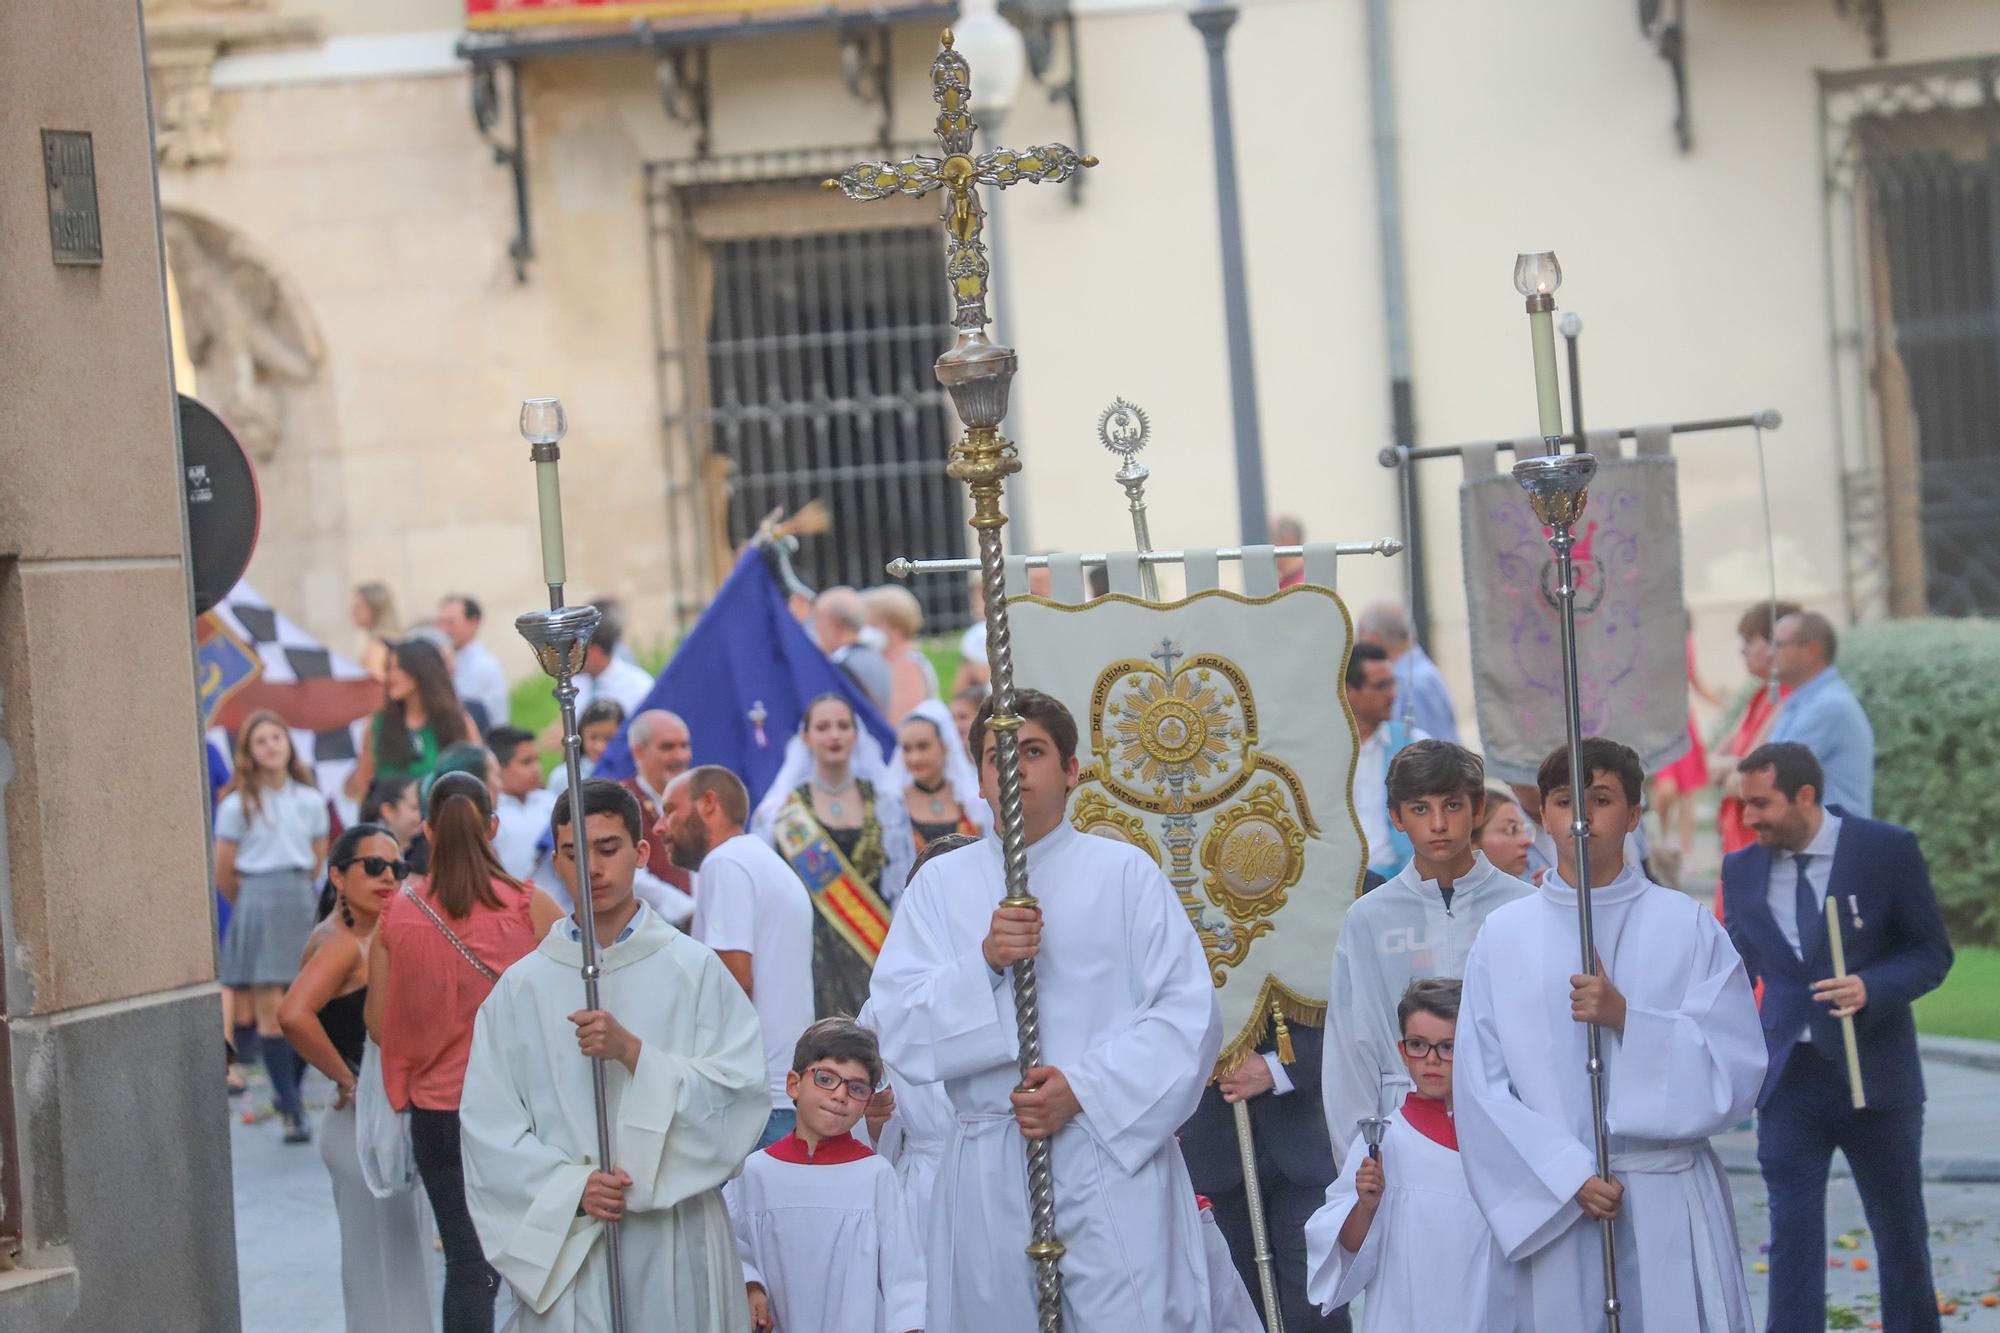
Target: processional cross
column 978, row 373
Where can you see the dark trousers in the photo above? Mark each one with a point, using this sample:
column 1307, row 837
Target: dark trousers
column 470, row 1284
column 1807, row 1117
column 1286, row 1208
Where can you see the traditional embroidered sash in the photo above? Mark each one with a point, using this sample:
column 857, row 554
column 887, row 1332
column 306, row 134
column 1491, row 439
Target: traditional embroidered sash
column 856, row 913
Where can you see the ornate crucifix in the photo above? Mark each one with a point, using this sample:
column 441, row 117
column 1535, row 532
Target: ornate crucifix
column 978, row 373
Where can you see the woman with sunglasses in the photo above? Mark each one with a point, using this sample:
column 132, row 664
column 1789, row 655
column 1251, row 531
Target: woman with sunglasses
column 384, row 1243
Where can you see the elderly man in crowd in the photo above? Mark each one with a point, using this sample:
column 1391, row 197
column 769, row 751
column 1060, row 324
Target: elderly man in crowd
column 1425, row 701
column 839, row 615
column 1822, row 713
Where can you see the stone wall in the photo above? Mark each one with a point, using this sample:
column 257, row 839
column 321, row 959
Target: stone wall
column 105, row 906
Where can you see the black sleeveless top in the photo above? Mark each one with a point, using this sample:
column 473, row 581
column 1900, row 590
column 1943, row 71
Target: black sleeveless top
column 345, row 1027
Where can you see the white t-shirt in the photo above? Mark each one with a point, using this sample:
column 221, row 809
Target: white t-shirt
column 280, row 836
column 524, row 822
column 747, row 899
column 627, row 682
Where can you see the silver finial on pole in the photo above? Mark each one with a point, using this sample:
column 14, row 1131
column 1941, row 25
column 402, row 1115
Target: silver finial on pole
column 1558, row 488
column 1124, row 429
column 560, row 637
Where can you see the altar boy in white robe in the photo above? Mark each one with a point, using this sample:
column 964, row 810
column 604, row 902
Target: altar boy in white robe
column 1130, row 1033
column 687, row 1095
column 1683, row 1058
column 1421, row 923
column 821, row 1223
column 1400, row 1232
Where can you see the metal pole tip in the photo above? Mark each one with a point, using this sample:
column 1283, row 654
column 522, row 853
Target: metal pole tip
column 1770, row 418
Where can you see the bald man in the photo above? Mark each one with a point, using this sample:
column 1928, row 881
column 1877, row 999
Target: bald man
column 662, row 749
column 839, row 615
column 1420, row 689
column 1822, row 714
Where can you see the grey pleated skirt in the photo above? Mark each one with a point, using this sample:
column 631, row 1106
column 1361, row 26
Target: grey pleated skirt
column 268, row 928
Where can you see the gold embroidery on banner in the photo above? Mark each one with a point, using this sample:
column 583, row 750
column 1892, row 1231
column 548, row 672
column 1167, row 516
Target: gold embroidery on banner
column 1095, row 814
column 1254, row 853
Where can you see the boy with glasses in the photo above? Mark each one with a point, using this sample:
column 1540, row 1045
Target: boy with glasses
column 1399, row 1229
column 820, row 1221
column 1421, row 923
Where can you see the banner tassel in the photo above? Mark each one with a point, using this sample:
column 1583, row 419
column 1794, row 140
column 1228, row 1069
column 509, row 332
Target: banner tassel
column 1285, row 1054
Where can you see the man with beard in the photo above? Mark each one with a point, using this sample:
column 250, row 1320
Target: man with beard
column 748, row 907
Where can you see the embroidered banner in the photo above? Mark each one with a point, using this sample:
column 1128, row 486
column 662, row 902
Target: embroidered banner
column 1215, row 737
column 1630, row 619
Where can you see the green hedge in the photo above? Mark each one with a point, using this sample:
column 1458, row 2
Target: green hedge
column 1932, row 691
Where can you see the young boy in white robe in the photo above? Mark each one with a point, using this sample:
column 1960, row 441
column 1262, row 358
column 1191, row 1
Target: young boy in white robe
column 1421, row 923
column 686, row 1093
column 820, row 1222
column 1683, row 1059
column 1400, row 1232
column 1130, row 1033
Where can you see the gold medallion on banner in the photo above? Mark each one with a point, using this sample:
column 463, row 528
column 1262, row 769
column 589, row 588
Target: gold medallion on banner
column 1253, row 854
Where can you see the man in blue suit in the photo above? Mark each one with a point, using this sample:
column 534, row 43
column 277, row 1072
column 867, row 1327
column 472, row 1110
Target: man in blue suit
column 1774, row 897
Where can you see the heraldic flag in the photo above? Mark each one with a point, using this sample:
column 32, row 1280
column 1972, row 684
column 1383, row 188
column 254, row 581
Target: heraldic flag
column 1214, row 736
column 742, row 678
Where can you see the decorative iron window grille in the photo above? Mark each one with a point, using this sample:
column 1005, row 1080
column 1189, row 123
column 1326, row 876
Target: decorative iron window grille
column 1911, row 161
column 796, row 365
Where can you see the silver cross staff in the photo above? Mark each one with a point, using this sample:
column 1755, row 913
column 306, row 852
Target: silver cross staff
column 560, row 636
column 1123, row 428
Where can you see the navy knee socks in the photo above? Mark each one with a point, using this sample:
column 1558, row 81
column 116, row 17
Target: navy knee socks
column 282, row 1064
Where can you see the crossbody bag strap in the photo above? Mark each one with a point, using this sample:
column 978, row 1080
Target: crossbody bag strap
column 446, row 931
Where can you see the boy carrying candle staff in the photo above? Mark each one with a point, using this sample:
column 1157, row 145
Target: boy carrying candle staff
column 1683, row 1058
column 1399, row 1230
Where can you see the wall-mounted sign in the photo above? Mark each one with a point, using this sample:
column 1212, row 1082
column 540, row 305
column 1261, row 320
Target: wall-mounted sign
column 75, row 236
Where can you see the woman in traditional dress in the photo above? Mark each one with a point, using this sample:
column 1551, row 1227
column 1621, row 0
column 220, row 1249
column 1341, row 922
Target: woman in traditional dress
column 839, row 822
column 1760, row 709
column 934, row 773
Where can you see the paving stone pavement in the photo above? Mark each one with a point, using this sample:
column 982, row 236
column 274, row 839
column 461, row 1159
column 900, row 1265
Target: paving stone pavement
column 288, row 1244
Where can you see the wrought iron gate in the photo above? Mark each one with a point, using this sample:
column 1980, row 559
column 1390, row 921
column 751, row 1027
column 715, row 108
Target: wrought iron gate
column 1912, row 166
column 802, row 358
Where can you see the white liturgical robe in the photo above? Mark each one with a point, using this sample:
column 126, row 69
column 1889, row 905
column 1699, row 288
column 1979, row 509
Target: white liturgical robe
column 1393, row 935
column 1429, row 1261
column 1688, row 1065
column 828, row 1237
column 1129, row 1016
column 680, row 1126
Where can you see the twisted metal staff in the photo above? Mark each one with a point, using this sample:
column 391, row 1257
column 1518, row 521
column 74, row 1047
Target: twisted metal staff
column 1558, row 488
column 977, row 373
column 560, row 636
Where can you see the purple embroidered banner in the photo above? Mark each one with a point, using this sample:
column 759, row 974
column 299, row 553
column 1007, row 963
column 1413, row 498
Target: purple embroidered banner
column 1631, row 625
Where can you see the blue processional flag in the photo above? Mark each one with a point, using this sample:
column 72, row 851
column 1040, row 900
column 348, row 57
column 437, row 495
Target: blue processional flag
column 742, row 678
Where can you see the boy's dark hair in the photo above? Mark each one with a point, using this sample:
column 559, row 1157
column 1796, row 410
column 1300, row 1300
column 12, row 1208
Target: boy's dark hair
column 1761, row 620
column 382, row 793
column 1362, row 653
column 504, row 738
column 838, row 1038
column 1029, row 706
column 1601, row 756
column 610, row 629
column 601, row 796
column 1435, row 768
column 602, row 710
column 937, row 847
column 1436, row 996
column 1793, row 767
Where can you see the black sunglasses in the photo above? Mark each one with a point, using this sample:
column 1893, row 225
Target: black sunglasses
column 375, row 865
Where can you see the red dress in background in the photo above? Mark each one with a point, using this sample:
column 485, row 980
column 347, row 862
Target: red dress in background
column 1689, row 773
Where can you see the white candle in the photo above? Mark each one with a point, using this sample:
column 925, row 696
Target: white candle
column 543, row 424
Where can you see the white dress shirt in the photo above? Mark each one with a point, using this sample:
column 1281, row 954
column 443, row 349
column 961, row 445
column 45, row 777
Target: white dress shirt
column 478, row 678
column 1785, row 883
column 627, row 682
column 1371, row 791
column 524, row 822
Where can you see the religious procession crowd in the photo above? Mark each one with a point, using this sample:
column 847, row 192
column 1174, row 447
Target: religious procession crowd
column 809, row 1043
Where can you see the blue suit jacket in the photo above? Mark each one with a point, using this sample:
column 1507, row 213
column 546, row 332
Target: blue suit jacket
column 1290, row 1130
column 1895, row 942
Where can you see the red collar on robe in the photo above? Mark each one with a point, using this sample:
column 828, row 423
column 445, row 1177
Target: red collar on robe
column 836, row 1151
column 1430, row 1119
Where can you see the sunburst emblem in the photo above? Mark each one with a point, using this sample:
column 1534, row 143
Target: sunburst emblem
column 1123, row 428
column 1173, row 727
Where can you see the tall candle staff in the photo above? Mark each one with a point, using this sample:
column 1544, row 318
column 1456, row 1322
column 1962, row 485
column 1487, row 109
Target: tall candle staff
column 1558, row 487
column 559, row 636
